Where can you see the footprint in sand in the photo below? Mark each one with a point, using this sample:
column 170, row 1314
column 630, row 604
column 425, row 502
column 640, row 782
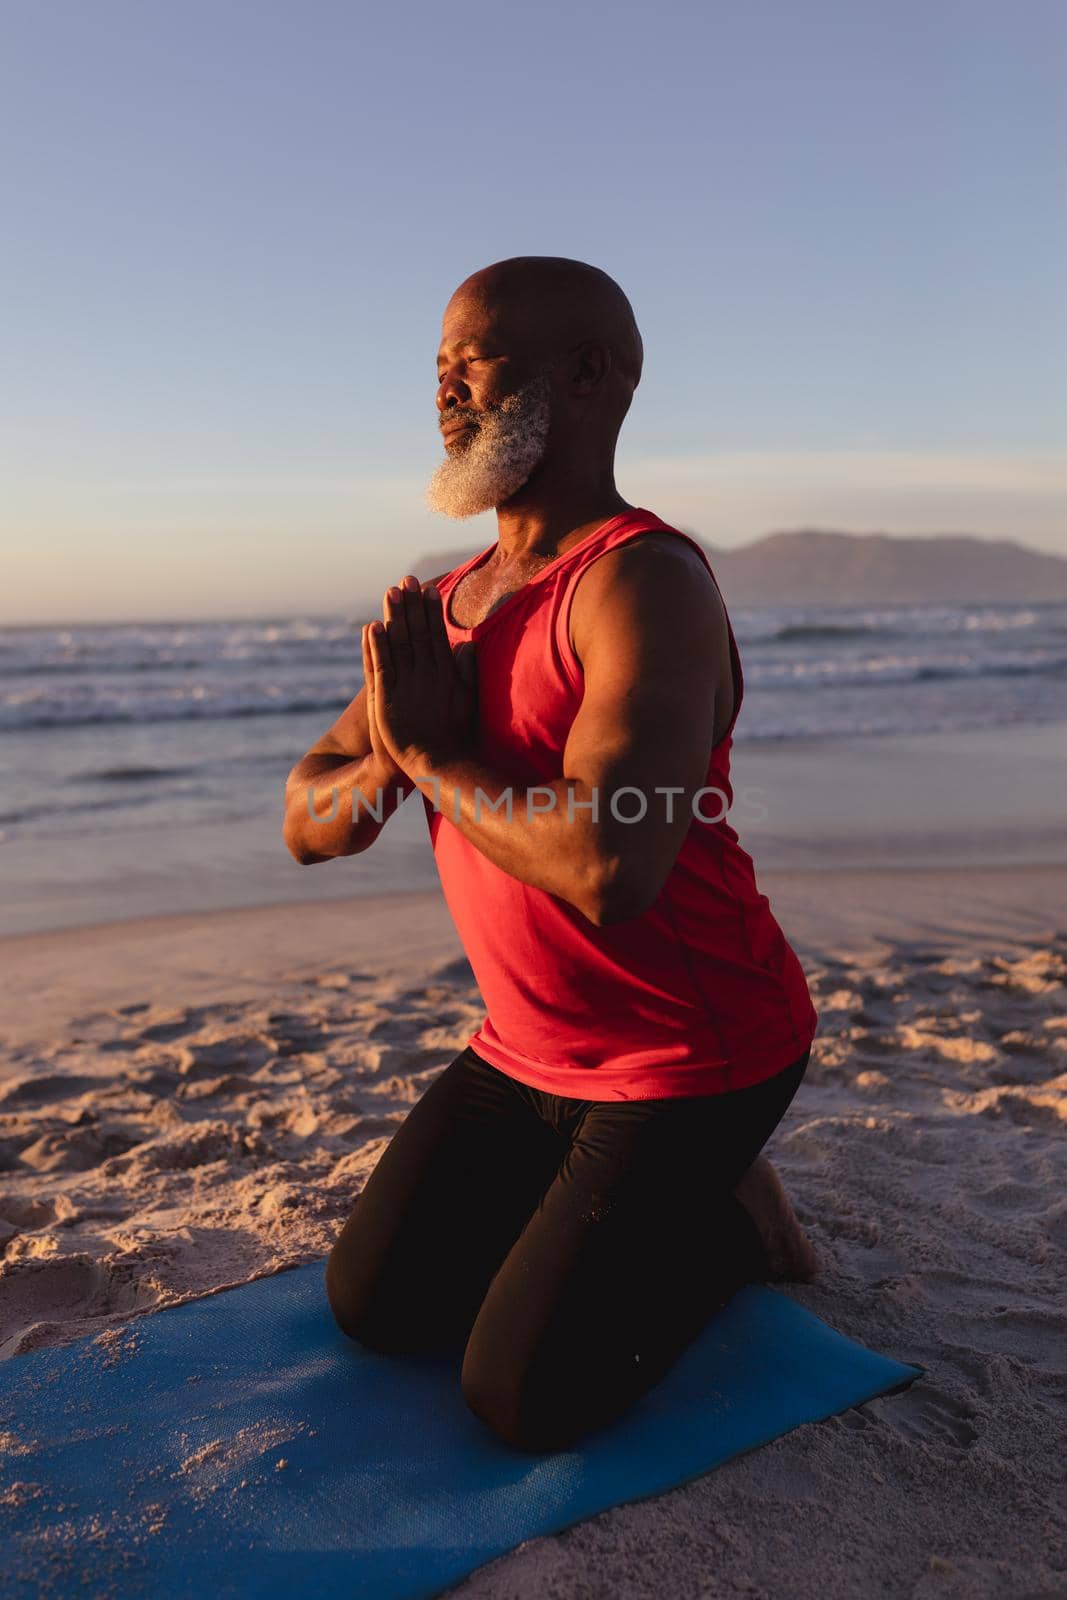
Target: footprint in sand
column 402, row 1029
column 925, row 1412
column 1033, row 1107
column 238, row 1052
column 192, row 1145
column 153, row 1081
column 920, row 1411
column 25, row 1212
column 299, row 1041
column 437, row 1002
column 78, row 1149
column 20, row 1215
column 62, row 1291
column 172, row 1024
column 35, row 1091
column 208, row 1088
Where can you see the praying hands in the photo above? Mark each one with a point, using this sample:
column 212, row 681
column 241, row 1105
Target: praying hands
column 421, row 695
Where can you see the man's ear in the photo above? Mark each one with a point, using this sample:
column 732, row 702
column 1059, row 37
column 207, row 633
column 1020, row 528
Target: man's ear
column 590, row 363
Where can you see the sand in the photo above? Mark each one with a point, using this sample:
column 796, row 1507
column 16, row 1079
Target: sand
column 190, row 1102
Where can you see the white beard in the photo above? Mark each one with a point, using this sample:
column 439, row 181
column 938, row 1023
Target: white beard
column 508, row 444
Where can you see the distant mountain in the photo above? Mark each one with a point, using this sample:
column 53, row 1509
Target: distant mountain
column 809, row 566
column 441, row 561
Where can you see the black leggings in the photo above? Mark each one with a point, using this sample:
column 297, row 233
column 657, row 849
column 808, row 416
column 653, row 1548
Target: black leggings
column 570, row 1248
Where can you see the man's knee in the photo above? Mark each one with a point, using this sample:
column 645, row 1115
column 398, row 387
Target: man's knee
column 495, row 1394
column 358, row 1310
column 518, row 1402
column 384, row 1316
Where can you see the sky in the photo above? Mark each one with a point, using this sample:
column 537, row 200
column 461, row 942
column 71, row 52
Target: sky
column 231, row 229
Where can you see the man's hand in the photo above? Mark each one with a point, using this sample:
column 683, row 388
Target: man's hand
column 421, row 696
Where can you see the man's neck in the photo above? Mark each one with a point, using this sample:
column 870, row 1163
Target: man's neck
column 540, row 528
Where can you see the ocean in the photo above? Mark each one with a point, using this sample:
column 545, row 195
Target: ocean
column 144, row 763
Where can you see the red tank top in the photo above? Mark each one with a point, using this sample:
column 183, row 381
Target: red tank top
column 699, row 994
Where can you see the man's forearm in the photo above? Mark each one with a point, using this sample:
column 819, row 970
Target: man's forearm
column 336, row 807
column 551, row 836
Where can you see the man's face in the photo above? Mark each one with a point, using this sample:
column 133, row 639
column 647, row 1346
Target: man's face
column 494, row 410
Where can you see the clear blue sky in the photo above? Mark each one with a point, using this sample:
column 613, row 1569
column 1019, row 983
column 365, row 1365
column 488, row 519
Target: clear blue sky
column 231, row 228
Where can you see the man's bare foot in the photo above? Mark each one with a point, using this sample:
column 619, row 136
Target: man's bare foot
column 789, row 1250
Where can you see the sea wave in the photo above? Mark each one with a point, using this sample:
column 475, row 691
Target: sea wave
column 53, row 713
column 801, row 632
column 869, row 672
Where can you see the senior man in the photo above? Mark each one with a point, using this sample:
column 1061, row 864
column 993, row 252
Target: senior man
column 580, row 1189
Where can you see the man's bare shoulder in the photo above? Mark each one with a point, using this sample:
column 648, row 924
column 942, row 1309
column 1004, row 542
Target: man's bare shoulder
column 655, row 576
column 650, row 555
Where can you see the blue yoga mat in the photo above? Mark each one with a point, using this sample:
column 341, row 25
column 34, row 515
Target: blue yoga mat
column 240, row 1445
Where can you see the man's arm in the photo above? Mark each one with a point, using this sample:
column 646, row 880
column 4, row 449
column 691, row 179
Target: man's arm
column 344, row 761
column 649, row 629
column 323, row 814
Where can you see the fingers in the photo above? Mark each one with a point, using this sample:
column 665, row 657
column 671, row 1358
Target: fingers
column 368, row 671
column 395, row 617
column 382, row 668
column 415, row 629
column 438, row 633
column 377, row 743
column 405, row 614
column 415, row 612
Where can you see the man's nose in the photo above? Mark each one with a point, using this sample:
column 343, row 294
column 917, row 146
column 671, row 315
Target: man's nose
column 452, row 391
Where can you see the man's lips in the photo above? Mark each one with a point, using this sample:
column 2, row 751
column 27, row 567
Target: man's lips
column 454, row 429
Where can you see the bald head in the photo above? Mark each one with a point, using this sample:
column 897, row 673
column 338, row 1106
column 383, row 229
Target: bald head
column 565, row 302
column 559, row 304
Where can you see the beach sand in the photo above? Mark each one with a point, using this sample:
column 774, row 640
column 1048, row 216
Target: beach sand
column 192, row 1101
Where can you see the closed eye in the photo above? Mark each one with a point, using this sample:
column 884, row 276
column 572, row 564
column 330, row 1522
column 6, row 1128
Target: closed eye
column 470, row 361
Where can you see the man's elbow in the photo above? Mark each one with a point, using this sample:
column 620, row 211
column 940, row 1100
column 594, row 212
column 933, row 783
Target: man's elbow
column 298, row 849
column 294, row 834
column 621, row 891
column 304, row 857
